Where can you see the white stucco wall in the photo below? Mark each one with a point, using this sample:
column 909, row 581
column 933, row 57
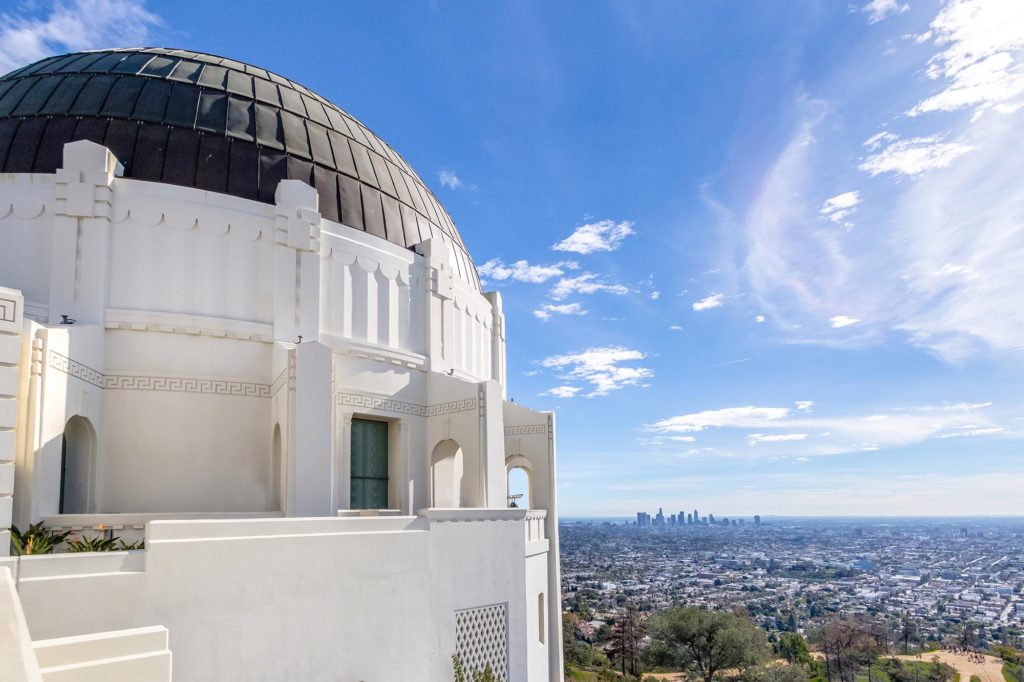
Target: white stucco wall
column 203, row 323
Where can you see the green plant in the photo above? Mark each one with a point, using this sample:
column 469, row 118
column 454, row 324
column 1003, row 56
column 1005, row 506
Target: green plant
column 36, row 540
column 485, row 675
column 94, row 544
column 123, row 546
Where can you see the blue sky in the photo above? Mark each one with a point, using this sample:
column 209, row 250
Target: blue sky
column 758, row 257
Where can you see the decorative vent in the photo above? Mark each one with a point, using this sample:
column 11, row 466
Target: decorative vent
column 481, row 639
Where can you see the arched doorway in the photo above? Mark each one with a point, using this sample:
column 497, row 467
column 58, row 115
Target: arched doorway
column 76, row 463
column 276, row 474
column 446, row 468
column 520, row 483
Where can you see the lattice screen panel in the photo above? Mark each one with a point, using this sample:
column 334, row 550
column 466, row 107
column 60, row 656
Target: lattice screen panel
column 481, row 637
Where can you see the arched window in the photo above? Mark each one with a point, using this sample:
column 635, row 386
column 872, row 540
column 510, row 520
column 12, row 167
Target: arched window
column 446, row 468
column 276, row 475
column 76, row 464
column 519, row 487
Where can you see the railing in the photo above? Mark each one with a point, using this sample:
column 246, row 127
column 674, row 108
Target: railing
column 535, row 522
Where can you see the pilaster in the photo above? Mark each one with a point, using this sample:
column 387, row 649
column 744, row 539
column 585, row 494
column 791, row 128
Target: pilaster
column 81, row 233
column 498, row 362
column 439, row 275
column 12, row 307
column 310, row 470
column 296, row 262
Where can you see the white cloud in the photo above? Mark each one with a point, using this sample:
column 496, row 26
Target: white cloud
column 72, row 26
column 547, row 310
column 759, row 318
column 838, row 434
column 655, row 295
column 729, row 417
column 587, row 283
column 880, row 9
column 755, row 438
column 449, row 179
column 837, row 208
column 840, row 321
column 605, row 235
column 521, row 271
column 979, row 65
column 804, row 405
column 562, row 391
column 675, row 328
column 915, row 155
column 712, row 301
column 601, row 368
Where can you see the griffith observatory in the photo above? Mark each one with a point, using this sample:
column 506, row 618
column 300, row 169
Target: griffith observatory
column 239, row 335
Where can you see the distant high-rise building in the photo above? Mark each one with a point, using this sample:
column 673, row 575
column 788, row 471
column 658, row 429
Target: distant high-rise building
column 711, row 519
column 672, row 521
column 757, row 520
column 696, row 516
column 659, row 520
column 689, row 519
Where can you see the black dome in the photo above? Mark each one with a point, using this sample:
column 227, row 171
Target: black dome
column 216, row 124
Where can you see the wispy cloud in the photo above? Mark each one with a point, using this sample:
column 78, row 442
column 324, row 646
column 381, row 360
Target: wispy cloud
column 979, row 63
column 837, row 208
column 522, row 271
column 709, row 302
column 936, row 257
column 602, row 368
column 587, row 283
column 547, row 310
column 605, row 235
column 449, row 179
column 563, row 391
column 71, row 26
column 840, row 321
column 878, row 10
column 914, row 156
column 755, row 438
column 825, row 435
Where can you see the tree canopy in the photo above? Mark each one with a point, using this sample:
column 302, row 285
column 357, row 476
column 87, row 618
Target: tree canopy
column 705, row 642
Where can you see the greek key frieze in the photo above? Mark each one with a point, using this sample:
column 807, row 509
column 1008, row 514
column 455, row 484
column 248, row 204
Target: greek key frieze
column 362, row 400
column 8, row 309
column 526, row 430
column 149, row 382
column 63, row 363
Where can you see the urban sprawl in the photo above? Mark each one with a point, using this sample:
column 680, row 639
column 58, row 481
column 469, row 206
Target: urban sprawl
column 954, row 579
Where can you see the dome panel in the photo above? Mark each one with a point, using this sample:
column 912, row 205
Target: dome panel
column 203, row 121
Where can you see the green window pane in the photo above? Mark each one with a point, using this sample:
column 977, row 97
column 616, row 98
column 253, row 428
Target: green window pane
column 369, row 479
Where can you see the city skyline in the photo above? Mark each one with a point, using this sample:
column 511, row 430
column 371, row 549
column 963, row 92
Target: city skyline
column 762, row 258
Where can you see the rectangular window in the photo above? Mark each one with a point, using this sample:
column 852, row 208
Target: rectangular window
column 369, row 485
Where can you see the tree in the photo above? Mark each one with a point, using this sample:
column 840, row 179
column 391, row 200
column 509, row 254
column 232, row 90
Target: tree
column 706, row 642
column 793, row 648
column 627, row 635
column 848, row 645
column 908, row 632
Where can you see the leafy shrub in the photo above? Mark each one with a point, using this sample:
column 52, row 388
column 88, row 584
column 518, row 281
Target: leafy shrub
column 95, row 544
column 36, row 540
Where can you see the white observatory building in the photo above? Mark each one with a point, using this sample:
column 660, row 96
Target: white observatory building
column 235, row 324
